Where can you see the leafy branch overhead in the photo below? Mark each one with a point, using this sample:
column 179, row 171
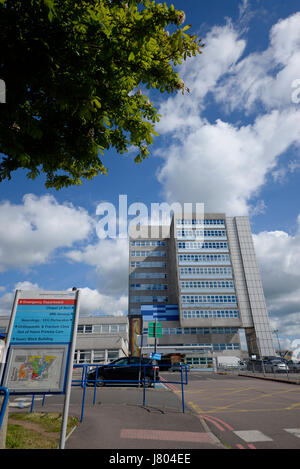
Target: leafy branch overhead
column 72, row 69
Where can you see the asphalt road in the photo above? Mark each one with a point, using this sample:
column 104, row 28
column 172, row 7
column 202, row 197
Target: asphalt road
column 240, row 412
column 244, row 412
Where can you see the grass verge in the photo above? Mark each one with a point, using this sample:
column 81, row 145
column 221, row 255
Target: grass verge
column 36, row 430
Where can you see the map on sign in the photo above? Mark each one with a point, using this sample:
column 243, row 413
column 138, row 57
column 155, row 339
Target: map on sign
column 37, row 369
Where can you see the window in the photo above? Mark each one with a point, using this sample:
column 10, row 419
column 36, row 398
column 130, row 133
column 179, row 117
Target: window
column 208, row 284
column 148, row 286
column 112, row 354
column 85, row 356
column 218, row 258
column 148, row 275
column 148, row 243
column 148, row 253
column 207, row 299
column 146, row 264
column 99, row 356
column 202, row 245
column 148, row 299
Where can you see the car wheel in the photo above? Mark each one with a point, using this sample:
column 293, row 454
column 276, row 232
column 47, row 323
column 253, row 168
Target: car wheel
column 100, row 384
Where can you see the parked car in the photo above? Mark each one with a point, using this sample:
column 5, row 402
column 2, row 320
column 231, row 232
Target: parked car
column 178, row 365
column 269, row 365
column 293, row 366
column 125, row 369
column 276, row 366
column 242, row 365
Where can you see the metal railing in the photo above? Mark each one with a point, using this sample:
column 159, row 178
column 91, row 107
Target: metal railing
column 143, row 380
column 84, row 381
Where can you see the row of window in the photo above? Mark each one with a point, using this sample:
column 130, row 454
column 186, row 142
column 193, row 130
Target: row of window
column 204, row 258
column 226, row 346
column 216, row 347
column 201, row 221
column 148, row 275
column 147, row 264
column 207, row 284
column 101, row 328
column 195, row 330
column 148, row 299
column 148, row 286
column 201, row 233
column 205, row 271
column 148, row 243
column 202, row 245
column 148, row 253
column 210, row 313
column 199, row 361
column 95, row 356
column 194, row 299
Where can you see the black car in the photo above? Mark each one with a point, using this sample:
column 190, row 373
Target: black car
column 125, row 369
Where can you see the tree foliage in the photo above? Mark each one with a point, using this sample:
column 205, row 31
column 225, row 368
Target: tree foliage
column 73, row 71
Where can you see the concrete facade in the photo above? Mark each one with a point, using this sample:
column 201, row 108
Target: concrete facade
column 208, row 268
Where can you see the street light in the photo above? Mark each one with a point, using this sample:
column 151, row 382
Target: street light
column 276, row 332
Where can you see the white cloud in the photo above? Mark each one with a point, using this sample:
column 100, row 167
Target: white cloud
column 110, row 259
column 94, row 302
column 91, row 301
column 266, row 77
column 6, row 300
column 31, row 232
column 222, row 164
column 278, row 255
column 222, row 49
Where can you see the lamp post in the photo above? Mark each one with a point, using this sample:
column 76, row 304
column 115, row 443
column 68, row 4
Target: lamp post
column 276, row 332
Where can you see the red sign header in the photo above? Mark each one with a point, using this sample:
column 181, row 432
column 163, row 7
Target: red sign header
column 30, row 301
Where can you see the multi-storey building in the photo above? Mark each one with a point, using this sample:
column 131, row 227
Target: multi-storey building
column 201, row 281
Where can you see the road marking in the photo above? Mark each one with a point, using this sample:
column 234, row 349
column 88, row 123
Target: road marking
column 293, row 431
column 140, row 434
column 214, row 422
column 221, row 421
column 252, row 435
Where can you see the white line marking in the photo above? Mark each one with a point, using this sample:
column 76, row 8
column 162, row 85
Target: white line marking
column 252, row 435
column 294, row 431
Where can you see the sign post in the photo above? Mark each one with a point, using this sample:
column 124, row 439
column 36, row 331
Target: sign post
column 40, row 344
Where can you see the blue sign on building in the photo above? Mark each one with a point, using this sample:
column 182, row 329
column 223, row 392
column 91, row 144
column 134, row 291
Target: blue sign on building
column 160, row 312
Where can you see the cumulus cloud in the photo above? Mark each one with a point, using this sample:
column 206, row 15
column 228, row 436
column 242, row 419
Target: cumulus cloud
column 278, row 255
column 110, row 259
column 266, row 77
column 94, row 302
column 225, row 164
column 91, row 301
column 32, row 231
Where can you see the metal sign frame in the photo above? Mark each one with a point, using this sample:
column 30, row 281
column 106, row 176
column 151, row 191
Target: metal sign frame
column 50, row 298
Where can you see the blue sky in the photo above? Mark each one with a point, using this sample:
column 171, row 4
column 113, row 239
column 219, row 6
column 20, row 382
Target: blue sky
column 232, row 143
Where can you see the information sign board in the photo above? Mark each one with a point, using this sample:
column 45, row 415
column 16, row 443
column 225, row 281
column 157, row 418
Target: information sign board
column 39, row 339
